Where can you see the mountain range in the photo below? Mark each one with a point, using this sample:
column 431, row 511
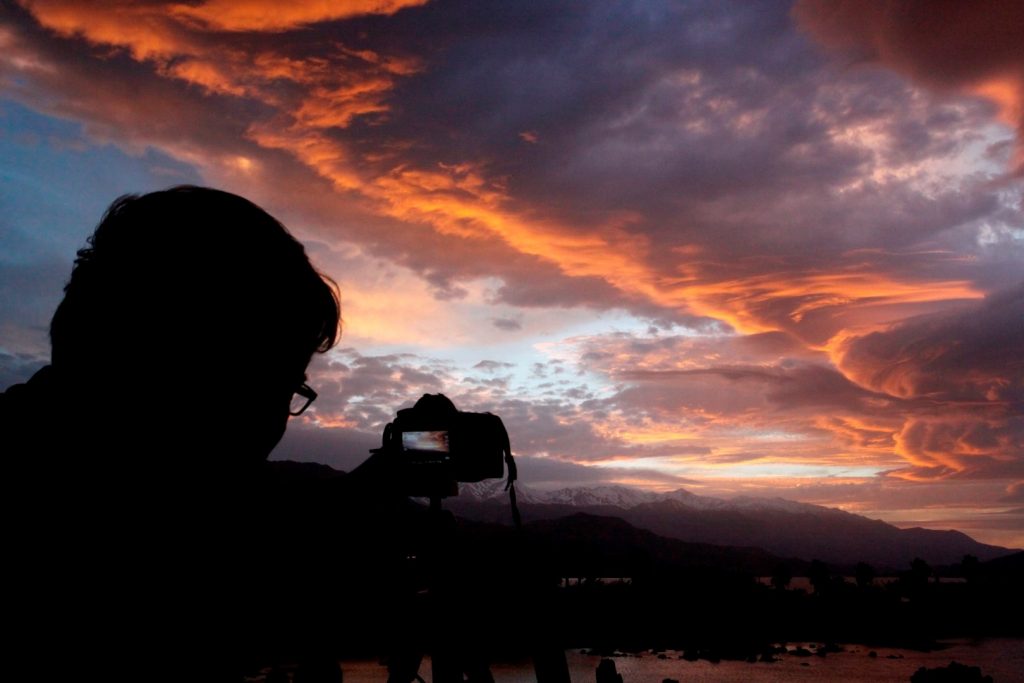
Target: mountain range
column 781, row 527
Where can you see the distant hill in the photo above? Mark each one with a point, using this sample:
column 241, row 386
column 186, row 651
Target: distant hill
column 1012, row 565
column 583, row 545
column 781, row 527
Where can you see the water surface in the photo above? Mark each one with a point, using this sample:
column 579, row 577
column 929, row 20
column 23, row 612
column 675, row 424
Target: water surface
column 1003, row 659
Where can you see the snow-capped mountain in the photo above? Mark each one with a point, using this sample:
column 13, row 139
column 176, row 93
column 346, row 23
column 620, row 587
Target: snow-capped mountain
column 625, row 497
column 616, row 496
column 784, row 527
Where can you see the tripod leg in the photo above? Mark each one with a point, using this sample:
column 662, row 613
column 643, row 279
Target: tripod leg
column 445, row 667
column 404, row 668
column 478, row 672
column 550, row 666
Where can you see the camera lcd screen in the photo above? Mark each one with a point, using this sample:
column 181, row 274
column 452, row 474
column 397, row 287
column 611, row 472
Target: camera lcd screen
column 425, row 441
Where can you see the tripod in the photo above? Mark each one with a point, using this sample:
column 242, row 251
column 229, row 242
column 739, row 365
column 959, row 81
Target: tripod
column 457, row 647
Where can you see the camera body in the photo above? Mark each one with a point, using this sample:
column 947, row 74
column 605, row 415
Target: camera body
column 438, row 446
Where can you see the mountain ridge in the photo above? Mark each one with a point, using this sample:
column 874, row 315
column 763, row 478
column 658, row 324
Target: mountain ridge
column 782, row 527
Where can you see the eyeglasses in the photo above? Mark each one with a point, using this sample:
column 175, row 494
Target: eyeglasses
column 301, row 399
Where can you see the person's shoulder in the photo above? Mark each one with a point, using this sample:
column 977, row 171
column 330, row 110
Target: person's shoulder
column 295, row 472
column 23, row 397
column 32, row 432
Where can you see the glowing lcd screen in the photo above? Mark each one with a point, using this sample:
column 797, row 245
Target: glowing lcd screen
column 425, row 441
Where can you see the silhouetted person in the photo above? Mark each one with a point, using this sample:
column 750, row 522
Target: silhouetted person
column 139, row 507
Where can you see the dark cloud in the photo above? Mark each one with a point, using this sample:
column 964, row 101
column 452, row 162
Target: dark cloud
column 945, row 44
column 756, row 377
column 507, row 324
column 649, row 115
column 547, row 287
column 493, row 365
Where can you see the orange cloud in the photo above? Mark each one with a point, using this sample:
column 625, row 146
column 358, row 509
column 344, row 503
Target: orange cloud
column 970, row 356
column 782, row 300
column 955, row 412
column 342, row 85
column 209, row 74
column 151, row 36
column 463, row 201
column 874, row 435
column 1007, row 92
column 751, row 408
column 337, row 106
column 956, row 444
column 281, row 15
column 156, row 29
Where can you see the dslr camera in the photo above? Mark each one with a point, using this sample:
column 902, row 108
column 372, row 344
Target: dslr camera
column 437, row 446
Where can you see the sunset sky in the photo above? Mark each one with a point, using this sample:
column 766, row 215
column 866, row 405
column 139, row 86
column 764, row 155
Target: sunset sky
column 742, row 248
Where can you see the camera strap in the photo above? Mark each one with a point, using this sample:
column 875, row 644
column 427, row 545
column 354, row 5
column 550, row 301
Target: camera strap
column 510, row 484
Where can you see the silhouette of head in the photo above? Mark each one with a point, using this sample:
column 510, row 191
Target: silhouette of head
column 193, row 308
